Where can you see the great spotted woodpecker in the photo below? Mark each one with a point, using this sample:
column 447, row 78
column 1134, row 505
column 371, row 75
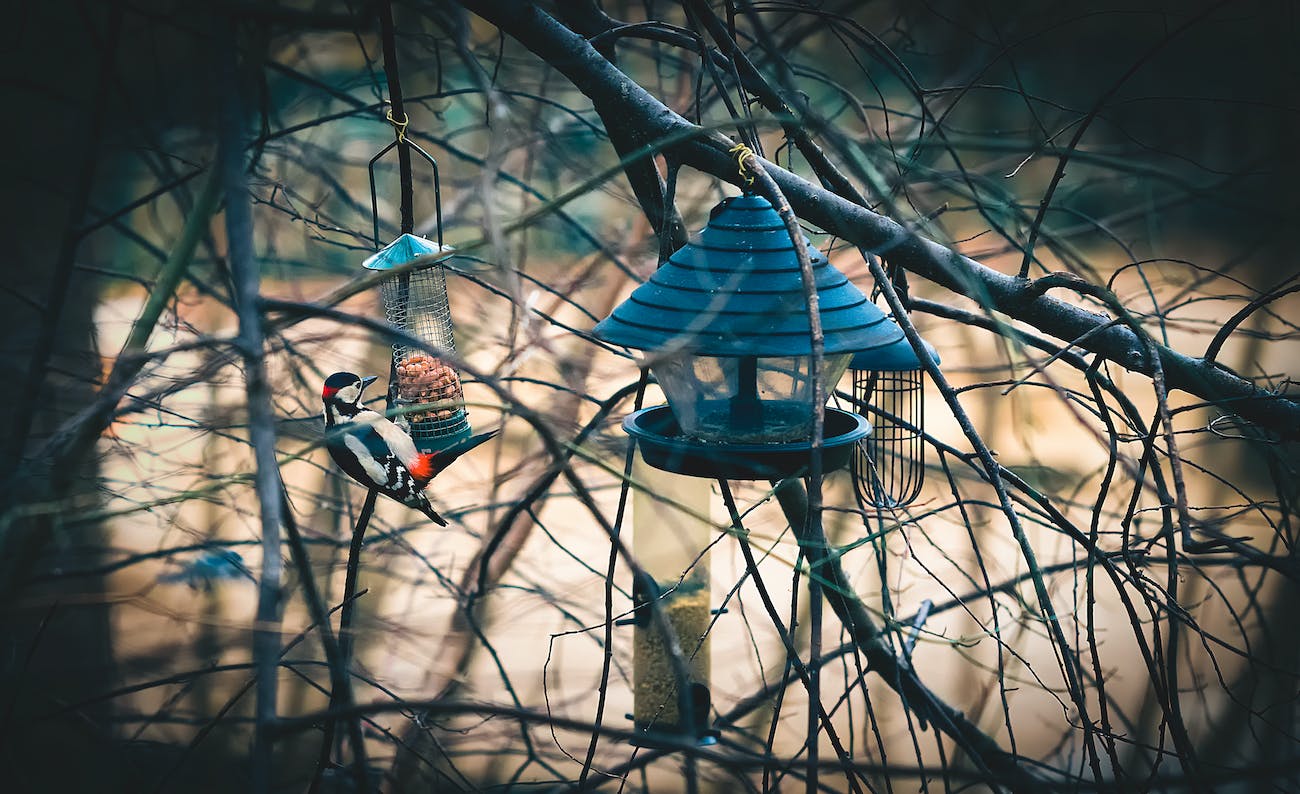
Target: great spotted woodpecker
column 376, row 452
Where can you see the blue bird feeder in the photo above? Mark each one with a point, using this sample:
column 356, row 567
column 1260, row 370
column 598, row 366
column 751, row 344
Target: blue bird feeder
column 889, row 467
column 724, row 327
column 415, row 301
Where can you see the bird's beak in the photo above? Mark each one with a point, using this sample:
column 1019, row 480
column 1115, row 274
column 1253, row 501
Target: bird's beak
column 367, row 380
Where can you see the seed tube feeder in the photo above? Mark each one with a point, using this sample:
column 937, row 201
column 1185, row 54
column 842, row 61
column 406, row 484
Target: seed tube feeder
column 889, row 467
column 724, row 325
column 671, row 541
column 724, row 328
column 415, row 300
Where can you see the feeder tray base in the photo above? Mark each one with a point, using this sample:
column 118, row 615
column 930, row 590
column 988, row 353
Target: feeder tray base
column 437, row 443
column 664, row 446
column 668, row 740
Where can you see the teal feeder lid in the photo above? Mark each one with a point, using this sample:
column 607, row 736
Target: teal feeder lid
column 403, row 250
column 725, row 326
column 737, row 291
column 896, row 357
column 416, row 302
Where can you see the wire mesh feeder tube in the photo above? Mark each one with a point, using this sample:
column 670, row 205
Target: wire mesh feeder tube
column 416, row 301
column 889, row 466
column 671, row 537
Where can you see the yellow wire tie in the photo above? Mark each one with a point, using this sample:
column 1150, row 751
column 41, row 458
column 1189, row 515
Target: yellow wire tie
column 743, row 153
column 399, row 126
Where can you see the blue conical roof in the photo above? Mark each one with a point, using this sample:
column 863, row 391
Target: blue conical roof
column 403, row 250
column 737, row 291
column 897, row 357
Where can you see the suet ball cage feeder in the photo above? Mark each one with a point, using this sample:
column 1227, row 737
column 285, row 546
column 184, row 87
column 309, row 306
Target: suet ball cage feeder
column 889, row 467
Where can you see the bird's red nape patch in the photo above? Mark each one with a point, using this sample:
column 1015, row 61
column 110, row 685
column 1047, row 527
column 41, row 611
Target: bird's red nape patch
column 422, row 469
column 328, row 392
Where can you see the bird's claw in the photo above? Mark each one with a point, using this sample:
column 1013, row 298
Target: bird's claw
column 400, row 419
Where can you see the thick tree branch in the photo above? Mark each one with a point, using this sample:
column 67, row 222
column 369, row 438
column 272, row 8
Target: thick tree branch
column 894, row 671
column 245, row 274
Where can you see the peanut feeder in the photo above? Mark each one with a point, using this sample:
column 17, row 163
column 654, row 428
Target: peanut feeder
column 415, row 300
